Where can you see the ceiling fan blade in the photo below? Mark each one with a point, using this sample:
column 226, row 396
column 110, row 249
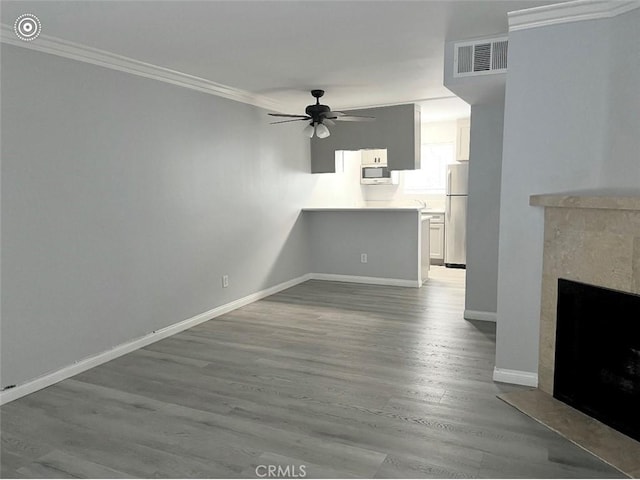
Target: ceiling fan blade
column 287, row 115
column 329, row 122
column 340, row 116
column 354, row 118
column 287, row 121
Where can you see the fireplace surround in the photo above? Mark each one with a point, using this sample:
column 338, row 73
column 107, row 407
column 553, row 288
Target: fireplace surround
column 592, row 238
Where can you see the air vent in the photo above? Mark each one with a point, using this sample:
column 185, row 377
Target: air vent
column 480, row 57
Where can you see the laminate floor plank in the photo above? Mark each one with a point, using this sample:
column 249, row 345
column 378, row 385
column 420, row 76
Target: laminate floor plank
column 57, row 464
column 345, row 380
column 136, row 442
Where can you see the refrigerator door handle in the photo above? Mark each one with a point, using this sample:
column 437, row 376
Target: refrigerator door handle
column 447, row 213
column 449, row 192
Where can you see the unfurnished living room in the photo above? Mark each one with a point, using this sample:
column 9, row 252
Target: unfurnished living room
column 320, row 239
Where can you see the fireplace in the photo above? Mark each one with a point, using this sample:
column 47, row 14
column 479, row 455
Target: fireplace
column 589, row 239
column 597, row 357
column 589, row 350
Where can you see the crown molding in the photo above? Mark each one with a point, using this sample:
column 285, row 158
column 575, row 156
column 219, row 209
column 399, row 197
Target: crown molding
column 94, row 56
column 573, row 11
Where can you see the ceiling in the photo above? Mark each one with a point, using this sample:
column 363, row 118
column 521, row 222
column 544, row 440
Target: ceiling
column 362, row 53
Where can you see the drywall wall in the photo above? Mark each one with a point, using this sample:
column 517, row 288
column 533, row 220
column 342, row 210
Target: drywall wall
column 439, row 132
column 485, row 166
column 340, row 188
column 124, row 201
column 559, row 115
column 624, row 127
column 390, row 239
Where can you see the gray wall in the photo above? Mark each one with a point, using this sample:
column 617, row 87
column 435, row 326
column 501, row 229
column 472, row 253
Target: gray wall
column 124, row 200
column 485, row 166
column 624, row 127
column 561, row 109
column 388, row 238
column 396, row 128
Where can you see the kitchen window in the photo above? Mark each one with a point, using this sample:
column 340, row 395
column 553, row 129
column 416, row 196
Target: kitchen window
column 431, row 177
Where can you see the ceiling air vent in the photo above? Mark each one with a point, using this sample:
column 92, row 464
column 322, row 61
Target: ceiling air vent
column 480, row 57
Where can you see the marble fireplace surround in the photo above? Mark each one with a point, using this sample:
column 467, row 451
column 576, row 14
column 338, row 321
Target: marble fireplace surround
column 589, row 239
column 594, row 238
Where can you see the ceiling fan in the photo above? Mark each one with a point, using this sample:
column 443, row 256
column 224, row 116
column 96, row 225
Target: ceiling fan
column 320, row 116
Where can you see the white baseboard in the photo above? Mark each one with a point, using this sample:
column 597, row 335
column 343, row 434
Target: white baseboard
column 93, row 361
column 393, row 282
column 480, row 315
column 517, row 377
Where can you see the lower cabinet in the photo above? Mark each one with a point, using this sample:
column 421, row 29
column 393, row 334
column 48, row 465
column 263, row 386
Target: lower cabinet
column 436, row 236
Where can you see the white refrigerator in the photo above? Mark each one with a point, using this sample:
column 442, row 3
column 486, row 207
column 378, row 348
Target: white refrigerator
column 455, row 215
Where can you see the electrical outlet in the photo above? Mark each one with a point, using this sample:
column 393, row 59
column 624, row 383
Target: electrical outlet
column 225, row 281
column 363, row 258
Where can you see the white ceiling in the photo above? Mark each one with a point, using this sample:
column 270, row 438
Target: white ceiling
column 362, row 53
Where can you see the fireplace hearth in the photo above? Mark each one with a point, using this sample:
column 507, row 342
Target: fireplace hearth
column 597, row 356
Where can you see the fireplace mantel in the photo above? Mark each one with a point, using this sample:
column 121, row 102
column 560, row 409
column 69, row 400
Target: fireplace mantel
column 591, row 237
column 602, row 200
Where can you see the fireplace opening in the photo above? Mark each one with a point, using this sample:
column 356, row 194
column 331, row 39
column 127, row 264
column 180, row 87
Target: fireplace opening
column 597, row 359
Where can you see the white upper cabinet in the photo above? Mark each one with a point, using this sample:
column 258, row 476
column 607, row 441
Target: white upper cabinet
column 373, row 157
column 463, row 137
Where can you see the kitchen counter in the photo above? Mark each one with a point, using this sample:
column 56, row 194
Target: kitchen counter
column 364, row 209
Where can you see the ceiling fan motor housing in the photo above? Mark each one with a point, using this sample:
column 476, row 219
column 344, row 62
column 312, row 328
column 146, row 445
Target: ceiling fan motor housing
column 316, row 111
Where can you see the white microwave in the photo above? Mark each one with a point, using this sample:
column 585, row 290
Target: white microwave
column 375, row 175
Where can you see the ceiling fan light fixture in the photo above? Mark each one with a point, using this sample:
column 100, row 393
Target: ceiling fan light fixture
column 309, row 130
column 322, row 131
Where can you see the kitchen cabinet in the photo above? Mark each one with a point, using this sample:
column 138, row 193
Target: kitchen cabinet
column 463, row 137
column 436, row 235
column 395, row 129
column 374, row 157
column 437, row 243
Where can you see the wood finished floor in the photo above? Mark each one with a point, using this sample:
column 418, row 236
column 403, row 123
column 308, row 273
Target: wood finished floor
column 348, row 380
